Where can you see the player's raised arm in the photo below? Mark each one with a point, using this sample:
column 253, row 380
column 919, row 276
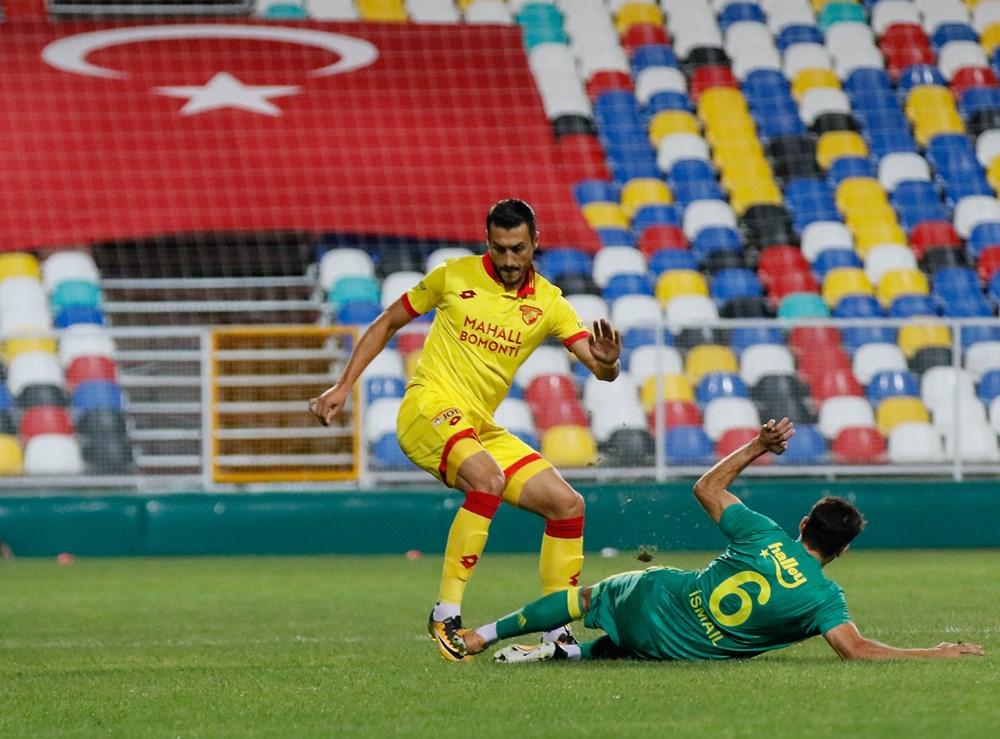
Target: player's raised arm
column 711, row 490
column 847, row 641
column 600, row 351
column 374, row 340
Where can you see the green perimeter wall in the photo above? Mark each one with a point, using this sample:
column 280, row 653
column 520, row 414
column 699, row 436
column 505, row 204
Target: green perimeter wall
column 909, row 513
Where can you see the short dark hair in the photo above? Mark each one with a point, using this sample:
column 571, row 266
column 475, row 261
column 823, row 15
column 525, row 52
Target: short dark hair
column 511, row 213
column 832, row 524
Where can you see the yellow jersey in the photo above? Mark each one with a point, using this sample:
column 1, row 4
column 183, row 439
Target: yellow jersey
column 482, row 332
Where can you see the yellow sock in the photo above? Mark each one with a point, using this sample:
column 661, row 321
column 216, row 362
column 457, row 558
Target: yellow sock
column 562, row 555
column 466, row 541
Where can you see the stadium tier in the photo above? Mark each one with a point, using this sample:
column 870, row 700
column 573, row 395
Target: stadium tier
column 787, row 207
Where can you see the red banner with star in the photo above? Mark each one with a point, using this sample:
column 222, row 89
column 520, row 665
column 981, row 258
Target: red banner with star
column 117, row 131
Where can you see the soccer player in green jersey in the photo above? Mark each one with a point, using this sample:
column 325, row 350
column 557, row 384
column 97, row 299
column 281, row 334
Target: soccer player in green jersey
column 765, row 592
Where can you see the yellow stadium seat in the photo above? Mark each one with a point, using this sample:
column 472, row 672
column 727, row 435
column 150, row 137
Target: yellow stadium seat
column 914, row 337
column 676, row 282
column 734, row 150
column 569, row 446
column 718, row 103
column 842, row 281
column 855, row 193
column 862, row 215
column 876, row 232
column 605, row 215
column 20, row 344
column 901, row 282
column 667, row 122
column 990, row 39
column 746, row 169
column 745, row 195
column 706, row 358
column 900, row 409
column 936, row 122
column 925, row 98
column 644, row 191
column 382, row 10
column 630, row 14
column 11, row 457
column 835, row 145
column 19, row 264
column 811, row 78
column 739, row 127
column 672, row 387
column 993, row 174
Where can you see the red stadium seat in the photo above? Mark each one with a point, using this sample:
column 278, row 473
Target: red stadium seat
column 835, row 382
column 410, row 342
column 786, row 283
column 806, row 340
column 933, row 233
column 859, row 445
column 989, row 263
column 44, row 419
column 968, row 77
column 605, row 80
column 733, row 439
column 707, row 77
column 643, row 34
column 820, row 360
column 581, row 157
column 86, row 368
column 549, row 389
column 677, row 413
column 660, row 236
column 778, row 260
column 559, row 413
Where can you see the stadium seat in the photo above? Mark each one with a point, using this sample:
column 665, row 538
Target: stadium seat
column 548, row 389
column 720, row 385
column 976, row 444
column 802, row 305
column 688, row 445
column 569, row 446
column 844, row 411
column 515, row 415
column 52, row 454
column 690, row 311
column 68, row 265
column 671, row 387
column 734, row 438
column 701, row 360
column 629, row 448
column 11, row 458
column 834, row 382
column 859, row 445
column 722, row 414
column 649, row 360
column 892, row 411
column 380, row 418
column 33, row 368
column 386, row 454
column 941, row 385
column 843, row 281
column 616, row 417
column 84, row 340
column 344, row 262
column 915, row 442
column 398, row 283
column 914, row 337
column 871, row 359
column 762, row 360
column 982, row 358
column 617, row 260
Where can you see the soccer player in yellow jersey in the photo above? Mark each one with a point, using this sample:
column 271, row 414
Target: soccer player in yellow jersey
column 492, row 312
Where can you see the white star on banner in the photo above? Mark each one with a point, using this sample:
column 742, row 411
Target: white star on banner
column 225, row 91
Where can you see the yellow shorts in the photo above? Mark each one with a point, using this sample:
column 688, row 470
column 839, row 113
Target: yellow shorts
column 437, row 434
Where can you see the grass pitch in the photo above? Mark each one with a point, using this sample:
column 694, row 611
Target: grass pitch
column 336, row 647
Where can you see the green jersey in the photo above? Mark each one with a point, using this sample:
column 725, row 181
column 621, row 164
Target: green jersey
column 764, row 592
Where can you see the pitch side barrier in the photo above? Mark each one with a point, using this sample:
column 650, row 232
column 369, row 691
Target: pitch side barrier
column 225, row 409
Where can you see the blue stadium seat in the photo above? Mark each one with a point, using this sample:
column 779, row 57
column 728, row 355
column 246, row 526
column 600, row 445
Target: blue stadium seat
column 688, row 445
column 715, row 238
column 866, row 79
column 653, row 55
column 951, row 151
column 857, row 336
column 595, row 191
column 916, row 202
column 951, row 32
column 667, row 100
column 890, row 141
column 846, row 167
column 993, row 289
column 738, row 12
column 807, row 447
column 720, row 385
column 727, row 284
column 891, row 383
column 628, row 284
column 906, row 306
column 6, row 402
column 384, row 387
column 654, row 215
column 73, row 314
column 763, row 83
column 556, row 263
column 833, row 258
column 858, row 306
column 977, row 99
column 638, row 336
column 527, row 437
column 669, row 259
column 614, row 237
column 982, row 236
column 96, row 394
column 955, row 284
column 917, row 75
column 386, row 454
column 797, row 33
column 975, row 334
column 747, row 336
column 358, row 312
column 989, row 387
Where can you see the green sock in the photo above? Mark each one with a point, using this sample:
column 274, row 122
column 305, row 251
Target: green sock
column 547, row 613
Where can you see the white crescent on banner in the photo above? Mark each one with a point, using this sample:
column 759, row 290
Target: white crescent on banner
column 70, row 54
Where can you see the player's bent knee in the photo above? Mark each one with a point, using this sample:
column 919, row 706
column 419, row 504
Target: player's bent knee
column 569, row 505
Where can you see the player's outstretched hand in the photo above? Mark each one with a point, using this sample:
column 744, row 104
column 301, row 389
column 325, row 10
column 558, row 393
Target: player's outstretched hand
column 329, row 404
column 774, row 436
column 605, row 342
column 961, row 649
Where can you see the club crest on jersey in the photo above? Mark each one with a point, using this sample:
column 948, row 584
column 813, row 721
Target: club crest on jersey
column 530, row 313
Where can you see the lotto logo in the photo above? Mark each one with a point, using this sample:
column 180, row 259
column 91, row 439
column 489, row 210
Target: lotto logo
column 469, row 561
column 466, row 294
column 575, row 580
